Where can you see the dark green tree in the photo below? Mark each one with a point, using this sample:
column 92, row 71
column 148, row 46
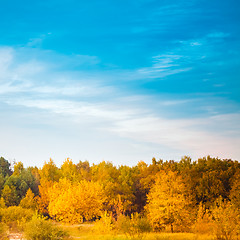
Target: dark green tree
column 5, row 169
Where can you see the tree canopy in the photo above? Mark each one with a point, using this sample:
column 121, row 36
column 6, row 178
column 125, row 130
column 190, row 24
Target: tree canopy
column 170, row 192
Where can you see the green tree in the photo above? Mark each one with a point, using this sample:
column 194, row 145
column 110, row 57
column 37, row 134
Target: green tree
column 2, row 181
column 41, row 229
column 5, row 169
column 29, row 201
column 208, row 178
column 10, row 196
column 18, row 185
column 21, row 180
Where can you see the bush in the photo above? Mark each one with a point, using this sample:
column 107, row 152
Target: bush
column 204, row 223
column 3, row 231
column 226, row 220
column 135, row 227
column 14, row 216
column 105, row 225
column 41, row 229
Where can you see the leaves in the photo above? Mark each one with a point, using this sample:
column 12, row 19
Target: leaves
column 167, row 204
column 73, row 202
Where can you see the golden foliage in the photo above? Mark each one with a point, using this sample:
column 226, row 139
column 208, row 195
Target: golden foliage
column 69, row 170
column 204, row 222
column 73, row 202
column 15, row 214
column 167, row 204
column 49, row 174
column 226, row 220
column 43, row 198
column 2, row 203
column 105, row 225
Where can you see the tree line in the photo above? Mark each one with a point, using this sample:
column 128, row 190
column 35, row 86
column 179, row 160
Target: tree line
column 174, row 194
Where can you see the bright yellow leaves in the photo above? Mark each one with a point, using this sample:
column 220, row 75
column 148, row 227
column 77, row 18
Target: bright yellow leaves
column 43, row 198
column 166, row 201
column 48, row 175
column 72, row 202
column 64, row 197
column 69, row 170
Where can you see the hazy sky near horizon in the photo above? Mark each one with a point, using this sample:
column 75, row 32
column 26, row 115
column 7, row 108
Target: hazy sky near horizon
column 119, row 81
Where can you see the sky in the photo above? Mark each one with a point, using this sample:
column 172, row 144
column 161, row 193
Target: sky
column 119, row 81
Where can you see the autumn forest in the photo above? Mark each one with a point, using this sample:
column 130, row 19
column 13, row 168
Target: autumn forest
column 176, row 196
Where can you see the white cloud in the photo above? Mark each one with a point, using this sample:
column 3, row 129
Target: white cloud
column 95, row 105
column 197, row 136
column 195, row 44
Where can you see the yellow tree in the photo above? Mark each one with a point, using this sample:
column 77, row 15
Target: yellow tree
column 49, row 174
column 203, row 223
column 18, row 168
column 2, row 203
column 29, row 201
column 235, row 191
column 107, row 175
column 43, row 198
column 167, row 203
column 73, row 202
column 69, row 170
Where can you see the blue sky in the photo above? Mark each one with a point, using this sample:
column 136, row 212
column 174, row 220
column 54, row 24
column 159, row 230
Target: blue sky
column 119, row 81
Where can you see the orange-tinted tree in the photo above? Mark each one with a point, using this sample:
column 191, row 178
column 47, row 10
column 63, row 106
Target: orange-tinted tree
column 73, row 202
column 167, row 204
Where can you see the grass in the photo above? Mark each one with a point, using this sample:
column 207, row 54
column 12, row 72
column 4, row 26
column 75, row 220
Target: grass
column 85, row 232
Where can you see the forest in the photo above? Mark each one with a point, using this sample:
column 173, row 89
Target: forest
column 199, row 197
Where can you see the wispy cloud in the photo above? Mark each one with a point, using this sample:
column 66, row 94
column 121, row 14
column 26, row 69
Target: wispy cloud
column 164, row 65
column 189, row 135
column 218, row 35
column 37, row 41
column 35, row 84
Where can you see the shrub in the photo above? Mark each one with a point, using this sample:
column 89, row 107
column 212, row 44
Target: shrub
column 104, row 225
column 204, row 223
column 226, row 220
column 3, row 231
column 41, row 229
column 14, row 216
column 135, row 227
